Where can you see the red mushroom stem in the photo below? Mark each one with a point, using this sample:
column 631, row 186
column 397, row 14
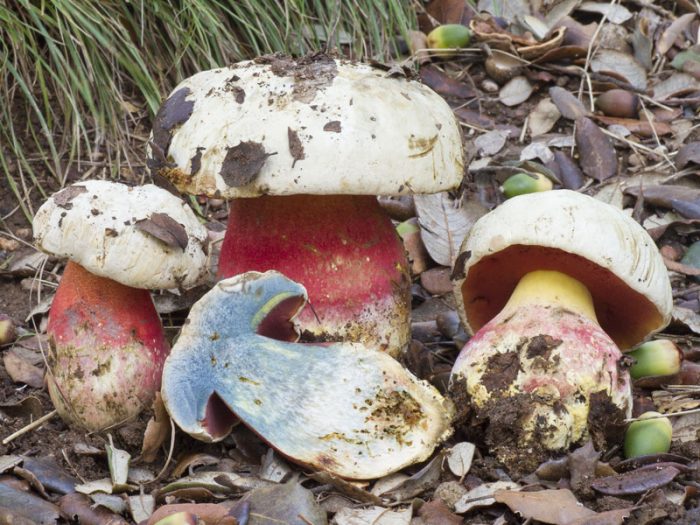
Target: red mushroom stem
column 343, row 248
column 107, row 349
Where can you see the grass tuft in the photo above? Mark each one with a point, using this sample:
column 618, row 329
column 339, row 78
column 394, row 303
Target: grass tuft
column 77, row 77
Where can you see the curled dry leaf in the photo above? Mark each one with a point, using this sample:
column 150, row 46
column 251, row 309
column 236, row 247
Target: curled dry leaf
column 636, row 481
column 482, row 495
column 425, row 479
column 596, row 152
column 157, row 430
column 28, row 506
column 165, row 229
column 445, row 223
column 558, row 507
column 118, row 461
column 351, row 490
column 672, row 32
column 676, row 85
column 515, row 92
column 50, row 474
column 568, row 171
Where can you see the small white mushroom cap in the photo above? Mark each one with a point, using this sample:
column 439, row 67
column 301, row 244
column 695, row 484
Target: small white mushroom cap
column 314, row 125
column 583, row 237
column 143, row 237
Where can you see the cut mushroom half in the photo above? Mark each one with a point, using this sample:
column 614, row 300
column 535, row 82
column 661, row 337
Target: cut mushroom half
column 339, row 407
column 107, row 343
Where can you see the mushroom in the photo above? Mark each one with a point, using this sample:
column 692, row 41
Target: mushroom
column 340, row 407
column 303, row 147
column 107, row 343
column 553, row 284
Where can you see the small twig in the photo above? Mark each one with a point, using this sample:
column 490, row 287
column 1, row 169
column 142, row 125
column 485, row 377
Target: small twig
column 31, row 426
column 68, row 462
column 670, row 414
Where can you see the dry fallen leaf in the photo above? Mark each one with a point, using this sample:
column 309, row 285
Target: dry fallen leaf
column 459, row 458
column 482, row 495
column 672, row 32
column 568, row 105
column 445, row 223
column 22, row 371
column 616, row 13
column 491, row 142
column 543, row 117
column 444, row 84
column 558, row 507
column 636, row 481
column 80, row 508
column 676, row 85
column 596, row 152
column 372, row 516
column 156, row 431
column 516, row 91
column 435, row 512
column 689, row 152
column 620, row 65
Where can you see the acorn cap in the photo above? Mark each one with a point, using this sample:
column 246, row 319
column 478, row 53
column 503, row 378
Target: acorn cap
column 314, row 125
column 562, row 230
column 143, row 237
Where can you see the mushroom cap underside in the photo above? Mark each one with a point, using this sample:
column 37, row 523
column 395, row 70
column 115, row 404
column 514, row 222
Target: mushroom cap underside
column 562, row 230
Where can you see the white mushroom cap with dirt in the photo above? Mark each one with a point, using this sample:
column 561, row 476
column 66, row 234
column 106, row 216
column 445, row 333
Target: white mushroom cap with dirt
column 553, row 285
column 302, row 147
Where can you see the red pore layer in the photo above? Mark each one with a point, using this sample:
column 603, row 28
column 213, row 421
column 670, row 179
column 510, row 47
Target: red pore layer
column 107, row 349
column 627, row 316
column 343, row 249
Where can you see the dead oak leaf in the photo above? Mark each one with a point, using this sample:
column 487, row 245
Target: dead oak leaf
column 597, row 154
column 165, row 229
column 557, row 507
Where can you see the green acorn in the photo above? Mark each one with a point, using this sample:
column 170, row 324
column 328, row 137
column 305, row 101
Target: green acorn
column 449, row 36
column 650, row 434
column 656, row 358
column 522, row 183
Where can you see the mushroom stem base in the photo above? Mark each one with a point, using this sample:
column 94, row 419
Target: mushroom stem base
column 343, row 248
column 537, row 379
column 107, row 350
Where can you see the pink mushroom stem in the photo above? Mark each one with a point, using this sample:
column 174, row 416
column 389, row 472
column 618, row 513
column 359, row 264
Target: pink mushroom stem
column 343, row 248
column 107, row 349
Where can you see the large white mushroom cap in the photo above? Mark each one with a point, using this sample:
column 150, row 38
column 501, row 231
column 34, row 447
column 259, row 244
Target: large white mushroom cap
column 314, row 125
column 575, row 234
column 143, row 236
